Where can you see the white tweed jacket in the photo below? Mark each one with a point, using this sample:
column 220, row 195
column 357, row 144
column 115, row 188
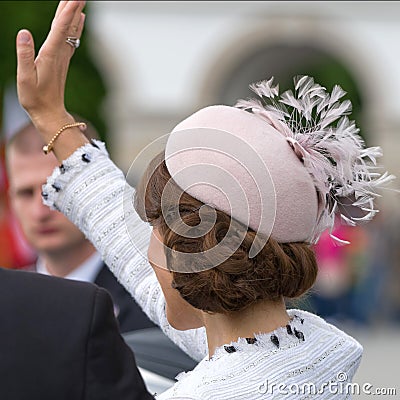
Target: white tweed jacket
column 307, row 359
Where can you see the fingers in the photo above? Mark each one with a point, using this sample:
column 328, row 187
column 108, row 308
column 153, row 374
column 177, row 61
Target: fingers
column 60, row 7
column 68, row 15
column 81, row 25
column 75, row 24
column 26, row 72
column 68, row 21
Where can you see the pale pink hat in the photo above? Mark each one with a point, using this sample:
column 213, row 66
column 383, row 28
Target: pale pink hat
column 285, row 189
column 281, row 168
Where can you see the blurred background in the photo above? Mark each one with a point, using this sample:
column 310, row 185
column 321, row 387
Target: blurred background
column 144, row 66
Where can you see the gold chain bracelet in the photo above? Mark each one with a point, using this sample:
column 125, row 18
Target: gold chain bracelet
column 49, row 147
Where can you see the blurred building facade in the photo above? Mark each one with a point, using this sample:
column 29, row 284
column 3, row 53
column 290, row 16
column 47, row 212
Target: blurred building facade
column 164, row 60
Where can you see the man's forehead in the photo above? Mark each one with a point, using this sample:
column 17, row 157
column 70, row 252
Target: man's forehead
column 30, row 167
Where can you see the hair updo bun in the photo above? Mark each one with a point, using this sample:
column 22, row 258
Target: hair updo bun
column 279, row 269
column 287, row 270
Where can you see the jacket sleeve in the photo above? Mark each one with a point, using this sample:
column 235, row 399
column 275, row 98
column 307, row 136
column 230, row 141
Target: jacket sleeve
column 93, row 193
column 111, row 371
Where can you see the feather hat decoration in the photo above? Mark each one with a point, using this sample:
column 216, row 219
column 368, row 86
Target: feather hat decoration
column 315, row 124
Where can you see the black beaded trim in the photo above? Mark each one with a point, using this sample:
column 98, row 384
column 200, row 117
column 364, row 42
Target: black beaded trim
column 232, row 349
column 300, row 319
column 86, row 158
column 94, row 144
column 299, row 335
column 56, row 187
column 274, row 338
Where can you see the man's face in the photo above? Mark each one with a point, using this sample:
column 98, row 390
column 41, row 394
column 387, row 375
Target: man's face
column 46, row 230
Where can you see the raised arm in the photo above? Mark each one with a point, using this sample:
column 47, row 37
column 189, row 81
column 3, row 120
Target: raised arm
column 41, row 79
column 88, row 187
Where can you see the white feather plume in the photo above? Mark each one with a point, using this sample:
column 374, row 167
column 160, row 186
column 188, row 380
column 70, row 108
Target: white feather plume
column 316, row 125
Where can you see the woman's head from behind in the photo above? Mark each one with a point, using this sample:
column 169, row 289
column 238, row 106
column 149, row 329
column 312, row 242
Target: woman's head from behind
column 238, row 197
column 238, row 281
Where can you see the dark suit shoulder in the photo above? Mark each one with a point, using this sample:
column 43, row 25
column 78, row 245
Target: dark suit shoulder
column 59, row 340
column 24, row 284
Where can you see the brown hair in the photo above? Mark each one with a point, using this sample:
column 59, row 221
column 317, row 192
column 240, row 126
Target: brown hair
column 279, row 269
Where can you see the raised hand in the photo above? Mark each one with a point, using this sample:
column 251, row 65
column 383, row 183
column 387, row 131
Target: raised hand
column 41, row 79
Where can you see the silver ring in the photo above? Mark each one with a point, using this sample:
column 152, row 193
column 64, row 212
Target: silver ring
column 73, row 41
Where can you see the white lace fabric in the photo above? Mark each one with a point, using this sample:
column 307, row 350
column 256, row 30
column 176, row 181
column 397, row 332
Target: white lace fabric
column 297, row 369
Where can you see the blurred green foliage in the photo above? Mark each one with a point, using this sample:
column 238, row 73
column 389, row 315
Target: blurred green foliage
column 85, row 88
